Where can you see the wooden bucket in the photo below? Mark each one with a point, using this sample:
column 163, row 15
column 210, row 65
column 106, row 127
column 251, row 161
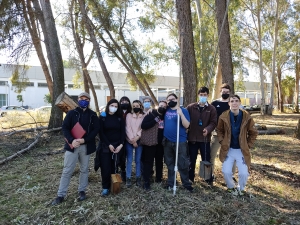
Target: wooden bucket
column 205, row 170
column 65, row 102
column 116, row 181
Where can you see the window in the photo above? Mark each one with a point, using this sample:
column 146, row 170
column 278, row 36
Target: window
column 70, row 85
column 30, row 84
column 3, row 98
column 42, row 85
column 97, row 86
column 3, row 83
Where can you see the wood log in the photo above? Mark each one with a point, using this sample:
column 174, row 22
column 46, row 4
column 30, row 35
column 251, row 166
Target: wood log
column 37, row 137
column 65, row 102
column 260, row 127
column 297, row 130
column 271, row 132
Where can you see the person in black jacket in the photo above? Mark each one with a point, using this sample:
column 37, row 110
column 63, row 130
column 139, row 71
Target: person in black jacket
column 81, row 148
column 155, row 151
column 112, row 137
column 125, row 109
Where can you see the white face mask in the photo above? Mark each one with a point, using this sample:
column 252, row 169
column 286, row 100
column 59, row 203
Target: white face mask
column 112, row 109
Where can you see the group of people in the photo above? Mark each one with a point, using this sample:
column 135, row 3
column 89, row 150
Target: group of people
column 208, row 128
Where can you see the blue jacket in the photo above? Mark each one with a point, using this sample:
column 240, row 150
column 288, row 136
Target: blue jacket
column 90, row 125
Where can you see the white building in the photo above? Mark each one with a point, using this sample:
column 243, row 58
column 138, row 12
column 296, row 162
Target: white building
column 33, row 95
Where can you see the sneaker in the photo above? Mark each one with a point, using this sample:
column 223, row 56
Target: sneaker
column 58, row 200
column 146, row 186
column 82, row 196
column 243, row 193
column 232, row 191
column 138, row 182
column 128, row 182
column 189, row 188
column 105, row 192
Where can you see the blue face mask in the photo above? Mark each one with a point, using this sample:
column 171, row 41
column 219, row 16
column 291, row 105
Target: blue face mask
column 83, row 103
column 147, row 105
column 203, row 99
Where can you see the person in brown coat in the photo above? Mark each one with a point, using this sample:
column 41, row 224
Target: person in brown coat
column 203, row 121
column 236, row 134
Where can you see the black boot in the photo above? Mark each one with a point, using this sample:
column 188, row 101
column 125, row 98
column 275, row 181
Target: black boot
column 138, row 182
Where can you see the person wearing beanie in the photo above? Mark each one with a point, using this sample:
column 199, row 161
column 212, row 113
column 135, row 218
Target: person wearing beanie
column 78, row 149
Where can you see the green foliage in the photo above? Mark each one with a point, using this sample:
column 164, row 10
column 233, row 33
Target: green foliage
column 19, row 79
column 288, row 84
column 239, row 83
column 47, row 98
column 77, row 80
column 20, row 98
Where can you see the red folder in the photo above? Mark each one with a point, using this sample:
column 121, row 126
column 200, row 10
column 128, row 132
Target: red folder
column 77, row 132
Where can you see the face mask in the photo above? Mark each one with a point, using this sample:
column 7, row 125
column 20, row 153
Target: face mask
column 136, row 110
column 202, row 99
column 113, row 109
column 124, row 106
column 147, row 105
column 161, row 110
column 83, row 103
column 225, row 96
column 172, row 104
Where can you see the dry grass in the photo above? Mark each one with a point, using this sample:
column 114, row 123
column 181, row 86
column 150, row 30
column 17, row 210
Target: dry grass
column 29, row 184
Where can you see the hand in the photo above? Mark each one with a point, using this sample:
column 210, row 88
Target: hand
column 136, row 138
column 111, row 148
column 118, row 148
column 205, row 132
column 75, row 143
column 179, row 111
column 135, row 145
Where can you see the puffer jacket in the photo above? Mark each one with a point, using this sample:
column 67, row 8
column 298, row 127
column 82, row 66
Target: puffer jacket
column 247, row 135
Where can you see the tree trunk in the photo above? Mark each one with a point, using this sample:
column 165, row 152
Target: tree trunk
column 79, row 47
column 297, row 82
column 261, row 70
column 56, row 62
column 199, row 14
column 89, row 27
column 189, row 68
column 31, row 24
column 217, row 84
column 280, row 96
column 270, row 109
column 224, row 43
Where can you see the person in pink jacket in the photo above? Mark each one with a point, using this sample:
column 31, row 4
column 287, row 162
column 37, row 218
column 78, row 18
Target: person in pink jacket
column 133, row 135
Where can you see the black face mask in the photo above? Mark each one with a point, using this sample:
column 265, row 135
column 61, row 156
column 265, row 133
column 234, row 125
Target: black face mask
column 161, row 110
column 136, row 110
column 172, row 104
column 225, row 96
column 124, row 106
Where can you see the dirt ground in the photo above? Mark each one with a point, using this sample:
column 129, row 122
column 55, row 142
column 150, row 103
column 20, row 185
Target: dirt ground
column 29, row 183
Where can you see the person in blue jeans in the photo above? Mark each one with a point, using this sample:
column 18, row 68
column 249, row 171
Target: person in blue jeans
column 133, row 135
column 170, row 139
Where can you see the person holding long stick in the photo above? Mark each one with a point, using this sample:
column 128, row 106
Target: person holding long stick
column 170, row 138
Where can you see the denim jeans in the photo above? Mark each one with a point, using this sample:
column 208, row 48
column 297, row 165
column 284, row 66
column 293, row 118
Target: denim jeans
column 183, row 162
column 129, row 156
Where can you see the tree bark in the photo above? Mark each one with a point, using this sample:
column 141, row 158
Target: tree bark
column 217, row 84
column 89, row 27
column 279, row 90
column 55, row 60
column 297, row 82
column 261, row 69
column 224, row 43
column 189, row 68
column 270, row 109
column 31, row 24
